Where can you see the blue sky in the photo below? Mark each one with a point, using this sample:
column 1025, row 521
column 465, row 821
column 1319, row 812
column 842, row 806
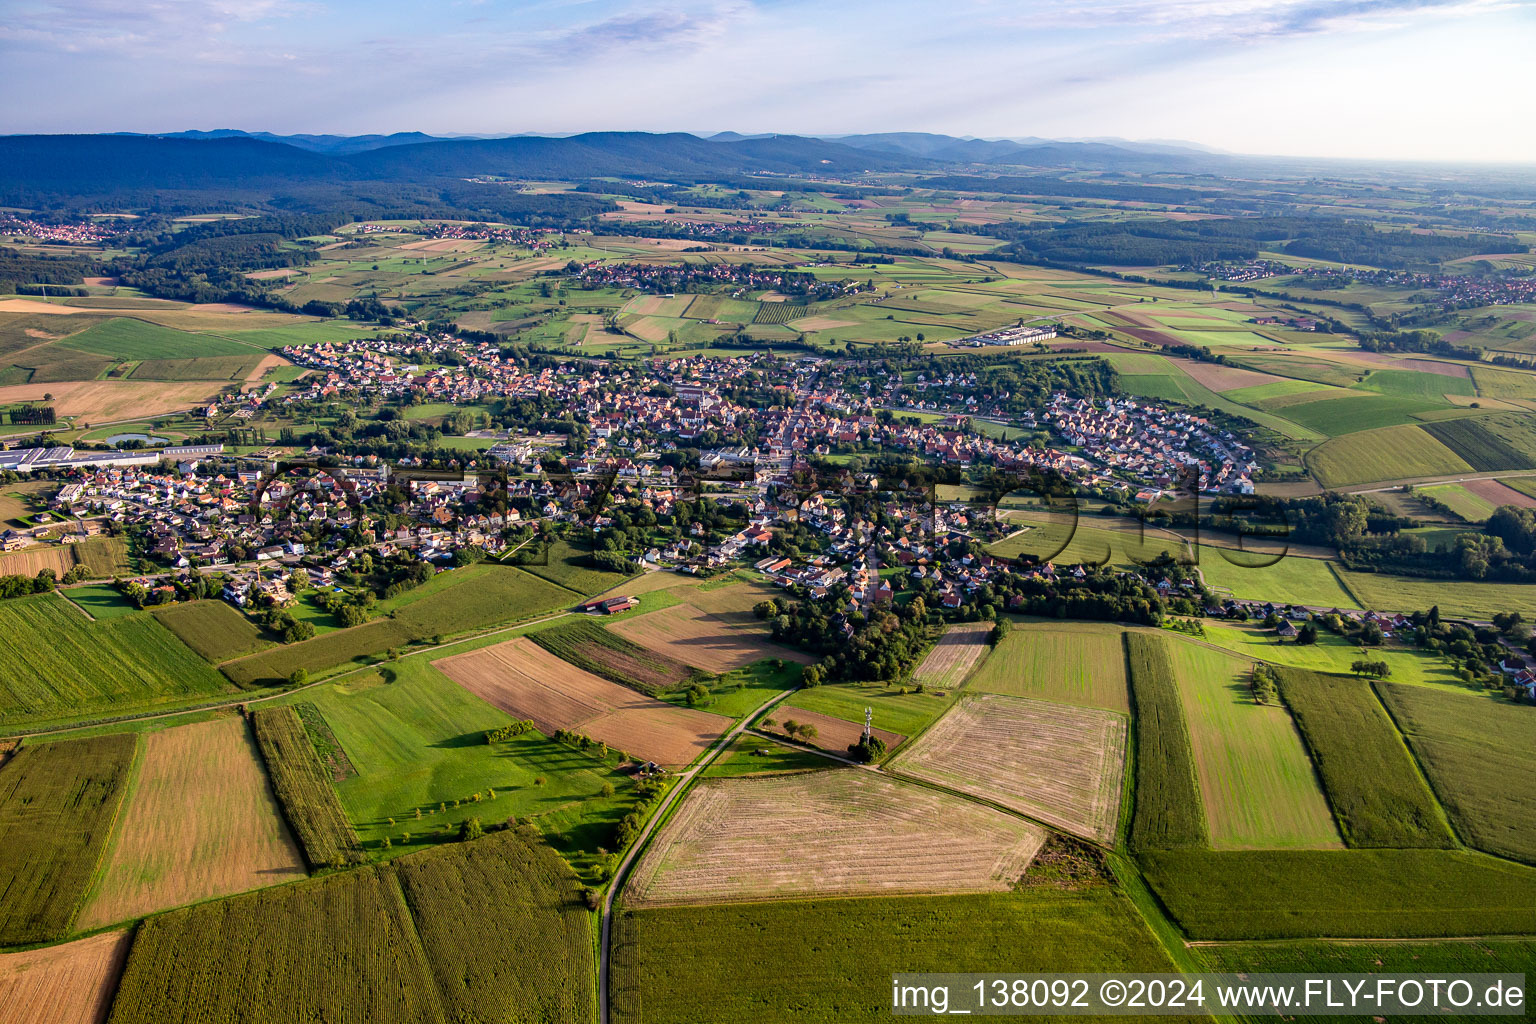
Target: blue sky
column 1388, row 79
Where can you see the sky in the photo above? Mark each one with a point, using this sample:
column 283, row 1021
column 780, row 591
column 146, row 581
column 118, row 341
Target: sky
column 1375, row 79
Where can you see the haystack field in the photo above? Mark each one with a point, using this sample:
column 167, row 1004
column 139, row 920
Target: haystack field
column 1058, row 763
column 70, row 983
column 845, row 831
column 201, row 821
column 834, row 735
column 526, row 681
column 702, row 640
column 95, row 400
column 953, row 657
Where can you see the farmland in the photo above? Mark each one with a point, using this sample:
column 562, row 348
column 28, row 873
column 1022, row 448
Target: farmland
column 334, row 949
column 212, row 628
column 71, row 983
column 1081, row 663
column 1389, row 453
column 505, row 934
column 750, row 754
column 1294, row 579
column 57, row 804
column 587, row 645
column 834, row 735
column 104, row 556
column 525, row 681
column 64, row 666
column 835, row 832
column 811, row 960
column 1169, row 814
column 472, row 598
column 201, row 821
column 1342, row 893
column 950, row 661
column 1454, row 597
column 1470, row 748
column 1257, row 784
column 303, row 788
column 1373, row 786
column 695, row 637
column 1058, row 764
column 562, row 564
column 903, row 713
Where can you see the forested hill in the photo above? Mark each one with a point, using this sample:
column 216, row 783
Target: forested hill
column 102, row 164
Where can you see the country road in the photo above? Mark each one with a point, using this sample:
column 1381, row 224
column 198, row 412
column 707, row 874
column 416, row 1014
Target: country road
column 684, row 779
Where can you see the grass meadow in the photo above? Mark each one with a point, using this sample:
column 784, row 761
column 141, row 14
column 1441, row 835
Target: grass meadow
column 1074, row 663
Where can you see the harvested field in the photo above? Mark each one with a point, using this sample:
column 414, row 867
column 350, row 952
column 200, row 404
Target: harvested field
column 33, row 560
column 93, row 400
column 526, row 681
column 1060, row 764
column 1225, row 378
column 202, row 821
column 834, row 735
column 68, row 984
column 952, row 658
column 702, row 640
column 589, row 646
column 734, row 602
column 846, row 831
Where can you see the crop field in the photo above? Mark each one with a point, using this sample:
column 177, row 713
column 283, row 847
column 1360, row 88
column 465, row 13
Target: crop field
column 1503, row 383
column 1470, row 748
column 695, row 637
column 1454, row 597
column 1081, row 663
column 587, row 645
column 237, row 367
column 1058, row 764
column 57, row 804
column 61, row 665
column 813, row 961
column 1472, row 508
column 526, row 681
column 1377, row 794
column 504, row 929
column 1169, row 814
column 950, row 661
column 1513, row 956
column 734, row 602
column 1498, row 442
column 1256, row 782
column 471, row 600
column 68, row 984
column 128, row 338
column 841, row 832
column 303, row 788
column 340, row 948
column 201, row 821
column 1389, row 453
column 92, row 401
column 30, row 561
column 1397, row 894
column 834, row 735
column 1361, row 411
column 212, row 628
column 104, row 556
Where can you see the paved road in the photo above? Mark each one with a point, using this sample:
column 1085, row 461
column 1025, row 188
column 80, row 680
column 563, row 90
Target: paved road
column 683, row 781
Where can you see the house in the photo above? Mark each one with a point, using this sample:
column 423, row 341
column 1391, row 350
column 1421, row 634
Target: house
column 1287, row 630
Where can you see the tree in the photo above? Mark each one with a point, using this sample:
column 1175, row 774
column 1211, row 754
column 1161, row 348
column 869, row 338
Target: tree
column 471, row 829
column 298, row 580
column 298, row 677
column 867, row 751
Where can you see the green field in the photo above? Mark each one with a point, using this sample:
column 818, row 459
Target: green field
column 1385, row 894
column 749, row 754
column 1290, row 580
column 1331, row 653
column 1389, row 453
column 1361, row 411
column 1075, row 663
column 583, row 642
column 1503, row 383
column 570, row 567
column 468, row 599
column 100, row 600
column 1373, row 785
column 212, row 628
column 1417, row 384
column 1454, row 597
column 303, row 787
column 59, row 665
column 57, row 805
column 1257, row 784
column 907, row 714
column 1502, row 441
column 340, row 948
column 1471, row 748
column 1474, row 508
column 198, row 368
column 506, row 935
column 1169, row 814
column 819, row 961
column 127, row 338
column 1476, row 956
column 415, row 740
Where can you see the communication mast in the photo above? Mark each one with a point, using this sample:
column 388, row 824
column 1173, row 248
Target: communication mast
column 869, row 715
